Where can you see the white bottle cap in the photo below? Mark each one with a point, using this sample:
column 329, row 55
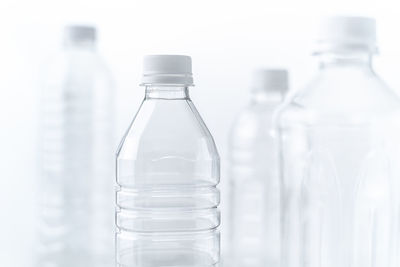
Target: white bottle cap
column 270, row 80
column 76, row 34
column 167, row 69
column 343, row 33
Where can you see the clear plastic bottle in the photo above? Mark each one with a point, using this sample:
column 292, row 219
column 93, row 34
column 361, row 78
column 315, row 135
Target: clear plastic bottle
column 254, row 180
column 167, row 173
column 77, row 156
column 339, row 142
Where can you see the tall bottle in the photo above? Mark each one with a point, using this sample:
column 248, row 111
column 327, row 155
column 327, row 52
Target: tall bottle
column 339, row 142
column 77, row 150
column 254, row 180
column 167, row 173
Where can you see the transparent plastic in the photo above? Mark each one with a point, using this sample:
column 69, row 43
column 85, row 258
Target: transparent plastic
column 254, row 184
column 339, row 141
column 167, row 173
column 77, row 160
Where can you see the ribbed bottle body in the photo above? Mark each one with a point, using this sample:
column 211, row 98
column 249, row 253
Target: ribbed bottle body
column 254, row 188
column 167, row 200
column 75, row 201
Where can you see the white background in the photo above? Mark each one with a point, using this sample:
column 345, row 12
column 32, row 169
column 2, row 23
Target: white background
column 226, row 39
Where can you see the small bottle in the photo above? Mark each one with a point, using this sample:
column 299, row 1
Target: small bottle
column 340, row 142
column 77, row 144
column 167, row 173
column 254, row 180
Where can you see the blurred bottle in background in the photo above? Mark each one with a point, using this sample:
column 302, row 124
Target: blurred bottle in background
column 167, row 173
column 254, row 180
column 77, row 156
column 340, row 157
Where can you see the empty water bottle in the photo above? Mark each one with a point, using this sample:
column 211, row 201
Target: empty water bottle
column 254, row 180
column 340, row 157
column 76, row 198
column 167, row 173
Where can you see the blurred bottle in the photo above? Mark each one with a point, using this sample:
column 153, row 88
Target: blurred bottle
column 76, row 201
column 340, row 157
column 254, row 185
column 167, row 173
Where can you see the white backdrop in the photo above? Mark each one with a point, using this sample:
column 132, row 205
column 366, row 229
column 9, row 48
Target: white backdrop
column 226, row 39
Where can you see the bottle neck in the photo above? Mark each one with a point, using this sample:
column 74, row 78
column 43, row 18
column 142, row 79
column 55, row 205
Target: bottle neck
column 167, row 92
column 354, row 59
column 85, row 45
column 266, row 97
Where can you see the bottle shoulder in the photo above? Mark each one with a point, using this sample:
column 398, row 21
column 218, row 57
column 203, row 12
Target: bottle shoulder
column 65, row 65
column 252, row 122
column 168, row 128
column 362, row 97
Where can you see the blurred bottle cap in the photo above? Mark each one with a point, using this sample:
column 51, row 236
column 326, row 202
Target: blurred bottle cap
column 345, row 33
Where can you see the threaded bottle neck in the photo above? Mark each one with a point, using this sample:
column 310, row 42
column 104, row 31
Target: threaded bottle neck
column 266, row 96
column 360, row 59
column 167, row 92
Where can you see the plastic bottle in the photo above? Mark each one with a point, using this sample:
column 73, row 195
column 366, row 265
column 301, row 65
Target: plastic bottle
column 254, row 180
column 167, row 173
column 77, row 149
column 339, row 140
